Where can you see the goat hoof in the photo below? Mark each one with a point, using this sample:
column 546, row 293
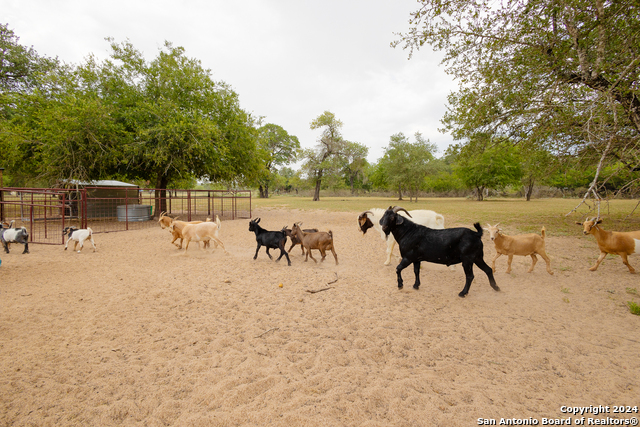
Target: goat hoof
column 462, row 295
column 417, row 288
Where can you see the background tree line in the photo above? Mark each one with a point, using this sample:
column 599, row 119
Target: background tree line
column 548, row 96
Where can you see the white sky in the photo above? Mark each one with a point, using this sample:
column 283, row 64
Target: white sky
column 289, row 60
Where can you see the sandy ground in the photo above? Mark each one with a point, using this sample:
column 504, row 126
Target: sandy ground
column 138, row 334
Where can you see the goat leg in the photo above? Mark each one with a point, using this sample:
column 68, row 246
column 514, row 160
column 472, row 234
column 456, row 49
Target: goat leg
column 534, row 261
column 268, row 254
column 600, row 258
column 416, row 271
column 284, row 253
column 257, row 249
column 403, row 264
column 6, row 247
column 493, row 262
column 468, row 273
column 487, row 270
column 623, row 255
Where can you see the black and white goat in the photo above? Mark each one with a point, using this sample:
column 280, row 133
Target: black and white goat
column 14, row 235
column 270, row 239
column 449, row 246
column 78, row 235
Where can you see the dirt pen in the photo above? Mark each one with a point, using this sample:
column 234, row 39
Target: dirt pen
column 140, row 334
column 46, row 211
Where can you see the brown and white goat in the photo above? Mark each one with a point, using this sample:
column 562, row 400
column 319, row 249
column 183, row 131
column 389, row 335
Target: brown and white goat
column 623, row 243
column 321, row 240
column 203, row 232
column 522, row 245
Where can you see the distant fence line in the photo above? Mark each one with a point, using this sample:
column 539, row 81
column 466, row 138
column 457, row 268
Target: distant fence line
column 45, row 212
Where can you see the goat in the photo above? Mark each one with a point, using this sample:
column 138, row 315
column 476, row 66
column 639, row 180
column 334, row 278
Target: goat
column 270, row 239
column 524, row 244
column 165, row 220
column 176, row 230
column 623, row 243
column 295, row 240
column 320, row 240
column 371, row 218
column 14, row 235
column 449, row 246
column 78, row 235
column 201, row 232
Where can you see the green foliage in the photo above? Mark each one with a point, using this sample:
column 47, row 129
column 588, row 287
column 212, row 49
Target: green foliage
column 407, row 164
column 633, row 308
column 324, row 159
column 164, row 120
column 560, row 76
column 277, row 148
column 482, row 166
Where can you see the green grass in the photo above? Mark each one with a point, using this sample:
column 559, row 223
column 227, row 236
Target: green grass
column 515, row 215
column 634, row 308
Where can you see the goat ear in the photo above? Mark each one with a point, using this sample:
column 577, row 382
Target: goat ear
column 257, row 220
column 399, row 219
column 579, row 223
column 598, row 221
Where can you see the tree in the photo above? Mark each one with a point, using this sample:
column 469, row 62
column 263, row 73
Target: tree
column 355, row 161
column 558, row 74
column 278, row 149
column 323, row 158
column 181, row 123
column 408, row 163
column 481, row 166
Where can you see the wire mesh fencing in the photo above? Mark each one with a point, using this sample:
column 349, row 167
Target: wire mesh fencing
column 46, row 212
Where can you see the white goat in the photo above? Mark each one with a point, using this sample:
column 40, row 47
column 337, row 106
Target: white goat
column 371, row 218
column 204, row 232
column 523, row 245
column 78, row 236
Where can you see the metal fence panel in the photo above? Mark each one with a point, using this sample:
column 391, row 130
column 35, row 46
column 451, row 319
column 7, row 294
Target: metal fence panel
column 45, row 212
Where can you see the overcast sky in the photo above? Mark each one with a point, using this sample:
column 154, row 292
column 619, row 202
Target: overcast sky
column 289, row 60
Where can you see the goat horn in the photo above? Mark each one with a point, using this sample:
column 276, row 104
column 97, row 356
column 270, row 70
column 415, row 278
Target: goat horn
column 397, row 209
column 365, row 212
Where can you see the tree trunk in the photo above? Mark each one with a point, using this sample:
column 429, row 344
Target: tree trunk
column 351, row 179
column 264, row 191
column 161, row 196
column 479, row 191
column 528, row 190
column 316, row 193
column 399, row 192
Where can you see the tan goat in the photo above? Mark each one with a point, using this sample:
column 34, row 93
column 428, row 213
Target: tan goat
column 203, row 232
column 165, row 221
column 523, row 245
column 323, row 241
column 623, row 243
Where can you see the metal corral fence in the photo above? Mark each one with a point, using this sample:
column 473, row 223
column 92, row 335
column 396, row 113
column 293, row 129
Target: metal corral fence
column 46, row 212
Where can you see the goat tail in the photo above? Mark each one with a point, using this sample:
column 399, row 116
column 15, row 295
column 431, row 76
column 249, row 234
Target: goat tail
column 477, row 226
column 543, row 232
column 218, row 222
column 331, row 234
column 90, row 231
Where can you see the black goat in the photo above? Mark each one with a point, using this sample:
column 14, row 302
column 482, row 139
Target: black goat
column 270, row 239
column 14, row 235
column 449, row 246
column 294, row 239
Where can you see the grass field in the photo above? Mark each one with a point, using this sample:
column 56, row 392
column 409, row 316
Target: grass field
column 517, row 215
